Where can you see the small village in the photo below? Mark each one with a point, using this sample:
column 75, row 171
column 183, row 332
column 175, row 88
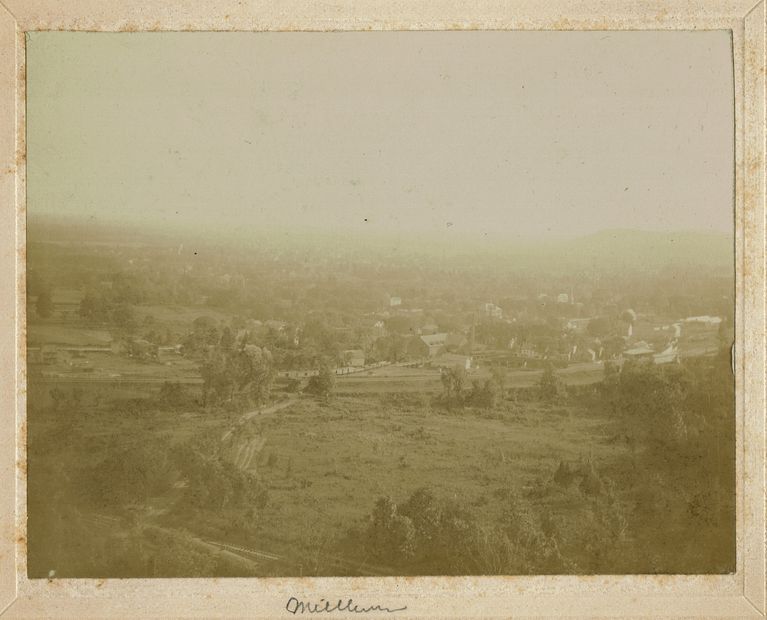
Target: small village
column 62, row 347
column 311, row 405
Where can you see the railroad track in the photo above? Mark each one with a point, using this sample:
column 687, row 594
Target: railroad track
column 251, row 553
column 111, row 524
column 348, row 565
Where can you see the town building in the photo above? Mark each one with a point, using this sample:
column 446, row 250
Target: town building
column 354, row 358
column 452, row 360
column 435, row 344
column 428, row 346
column 493, row 311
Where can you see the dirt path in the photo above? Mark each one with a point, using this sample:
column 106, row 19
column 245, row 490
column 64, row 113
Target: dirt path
column 259, row 412
column 248, row 450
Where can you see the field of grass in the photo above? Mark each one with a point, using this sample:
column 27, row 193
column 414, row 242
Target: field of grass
column 95, row 415
column 66, row 334
column 178, row 318
column 325, row 464
column 94, row 368
column 397, row 379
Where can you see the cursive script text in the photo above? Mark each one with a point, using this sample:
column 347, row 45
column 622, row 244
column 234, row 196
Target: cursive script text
column 295, row 606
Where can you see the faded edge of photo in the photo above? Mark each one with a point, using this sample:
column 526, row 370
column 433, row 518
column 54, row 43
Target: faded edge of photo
column 755, row 307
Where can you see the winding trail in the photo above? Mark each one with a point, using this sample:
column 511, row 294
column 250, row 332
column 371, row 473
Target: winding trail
column 259, row 412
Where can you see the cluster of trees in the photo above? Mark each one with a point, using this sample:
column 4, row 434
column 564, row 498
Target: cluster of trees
column 245, row 373
column 206, row 333
column 289, row 357
column 130, row 472
column 679, row 423
column 391, row 348
column 549, row 336
column 322, row 383
column 231, row 367
column 681, row 409
column 292, row 347
column 544, row 335
column 142, row 466
column 69, row 495
column 425, row 535
column 113, row 301
column 102, row 306
column 485, row 394
column 550, row 386
column 214, row 484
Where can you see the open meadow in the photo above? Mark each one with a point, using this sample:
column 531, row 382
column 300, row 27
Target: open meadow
column 317, row 470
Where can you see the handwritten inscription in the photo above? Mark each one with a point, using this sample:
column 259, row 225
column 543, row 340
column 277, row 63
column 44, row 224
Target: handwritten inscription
column 296, row 606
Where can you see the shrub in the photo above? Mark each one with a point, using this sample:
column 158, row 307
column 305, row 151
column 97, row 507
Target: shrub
column 427, row 536
column 564, row 475
column 322, row 383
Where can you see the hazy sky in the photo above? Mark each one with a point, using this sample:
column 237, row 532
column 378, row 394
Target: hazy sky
column 504, row 133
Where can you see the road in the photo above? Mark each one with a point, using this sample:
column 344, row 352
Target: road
column 259, row 412
column 255, row 557
column 353, row 567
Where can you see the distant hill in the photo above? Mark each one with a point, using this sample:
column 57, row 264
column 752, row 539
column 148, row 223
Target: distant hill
column 606, row 250
column 652, row 248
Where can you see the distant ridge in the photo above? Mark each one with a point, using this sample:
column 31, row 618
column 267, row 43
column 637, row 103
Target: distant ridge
column 653, row 247
column 609, row 249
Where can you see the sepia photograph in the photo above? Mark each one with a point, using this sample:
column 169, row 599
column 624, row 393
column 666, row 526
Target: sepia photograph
column 383, row 310
column 380, row 304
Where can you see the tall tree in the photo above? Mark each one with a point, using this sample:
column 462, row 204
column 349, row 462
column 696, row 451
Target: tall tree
column 548, row 384
column 322, row 383
column 453, row 381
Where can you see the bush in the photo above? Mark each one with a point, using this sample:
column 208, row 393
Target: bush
column 549, row 385
column 172, row 394
column 428, row 536
column 564, row 475
column 322, row 383
column 130, row 474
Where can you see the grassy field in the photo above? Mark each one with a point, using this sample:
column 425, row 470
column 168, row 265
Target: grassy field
column 397, row 379
column 94, row 415
column 178, row 318
column 94, row 368
column 325, row 464
column 66, row 334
